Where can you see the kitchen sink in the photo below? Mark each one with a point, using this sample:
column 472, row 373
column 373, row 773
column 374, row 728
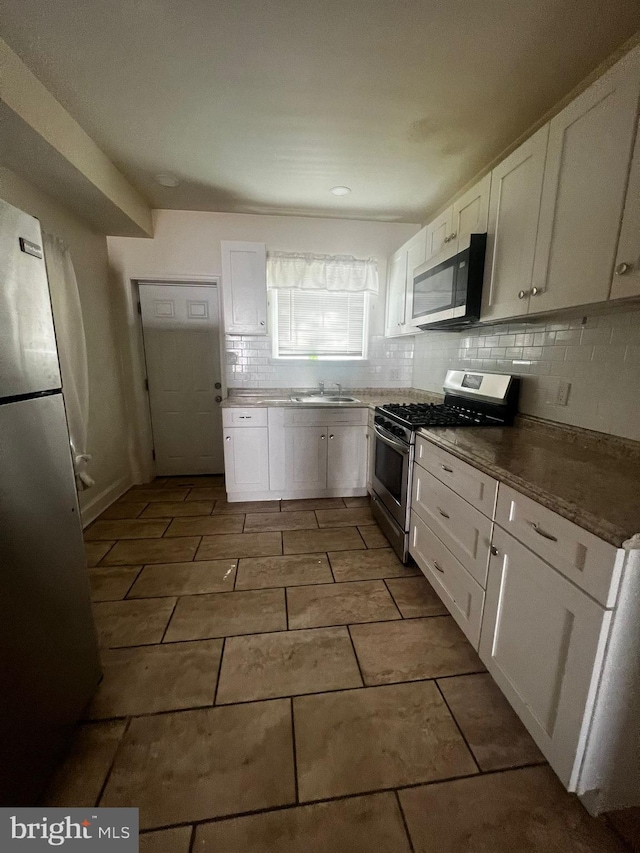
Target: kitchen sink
column 324, row 398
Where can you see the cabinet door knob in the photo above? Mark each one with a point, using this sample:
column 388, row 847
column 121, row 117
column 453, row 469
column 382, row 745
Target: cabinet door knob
column 522, row 294
column 446, row 239
column 322, row 437
column 454, row 235
column 494, row 550
column 228, row 438
column 623, row 268
column 536, row 291
column 331, row 436
column 262, row 322
column 218, row 399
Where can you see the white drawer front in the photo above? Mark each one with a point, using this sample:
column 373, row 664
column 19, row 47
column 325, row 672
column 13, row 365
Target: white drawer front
column 591, row 563
column 464, row 530
column 321, row 416
column 463, row 597
column 244, row 417
column 474, row 486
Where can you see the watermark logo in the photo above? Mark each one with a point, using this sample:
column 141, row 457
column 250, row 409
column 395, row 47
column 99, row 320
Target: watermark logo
column 39, row 829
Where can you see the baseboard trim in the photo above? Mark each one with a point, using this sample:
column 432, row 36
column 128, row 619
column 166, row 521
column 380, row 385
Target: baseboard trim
column 104, row 499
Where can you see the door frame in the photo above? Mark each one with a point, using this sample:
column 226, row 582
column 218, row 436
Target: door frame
column 182, row 281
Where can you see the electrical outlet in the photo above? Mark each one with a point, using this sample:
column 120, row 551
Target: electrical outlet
column 562, row 395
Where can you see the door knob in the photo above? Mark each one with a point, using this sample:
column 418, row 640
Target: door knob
column 623, row 268
column 218, row 385
column 522, row 294
column 218, row 399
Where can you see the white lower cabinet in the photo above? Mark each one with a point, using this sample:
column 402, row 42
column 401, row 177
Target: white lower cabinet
column 305, row 458
column 246, row 460
column 461, row 594
column 542, row 641
column 346, row 457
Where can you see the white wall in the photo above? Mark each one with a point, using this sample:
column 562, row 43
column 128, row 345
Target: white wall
column 186, row 246
column 598, row 354
column 107, row 431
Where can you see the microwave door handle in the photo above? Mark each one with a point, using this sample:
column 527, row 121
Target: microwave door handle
column 386, row 439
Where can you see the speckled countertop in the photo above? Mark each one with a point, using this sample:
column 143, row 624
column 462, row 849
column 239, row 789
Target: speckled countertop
column 587, row 477
column 366, row 397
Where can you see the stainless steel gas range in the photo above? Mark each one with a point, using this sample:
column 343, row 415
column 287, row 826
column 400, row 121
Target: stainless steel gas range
column 471, row 399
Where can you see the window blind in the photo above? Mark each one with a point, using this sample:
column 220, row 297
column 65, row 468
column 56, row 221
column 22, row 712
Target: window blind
column 320, row 323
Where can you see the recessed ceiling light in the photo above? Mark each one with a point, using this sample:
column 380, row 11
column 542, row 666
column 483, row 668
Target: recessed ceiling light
column 340, row 190
column 167, row 180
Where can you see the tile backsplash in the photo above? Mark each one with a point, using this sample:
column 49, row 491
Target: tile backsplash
column 597, row 354
column 251, row 365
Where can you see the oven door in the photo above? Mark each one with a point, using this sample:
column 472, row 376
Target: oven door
column 391, row 472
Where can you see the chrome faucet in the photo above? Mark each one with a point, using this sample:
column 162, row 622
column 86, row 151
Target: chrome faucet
column 339, row 388
column 321, row 387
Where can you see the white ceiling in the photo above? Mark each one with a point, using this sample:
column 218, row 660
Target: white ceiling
column 261, row 106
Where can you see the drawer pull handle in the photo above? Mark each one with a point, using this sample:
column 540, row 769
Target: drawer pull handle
column 437, row 567
column 543, row 533
column 442, row 512
column 448, row 470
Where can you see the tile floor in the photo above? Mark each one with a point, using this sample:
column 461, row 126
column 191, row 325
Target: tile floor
column 276, row 680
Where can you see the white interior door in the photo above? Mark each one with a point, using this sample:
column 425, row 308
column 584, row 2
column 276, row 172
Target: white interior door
column 181, row 330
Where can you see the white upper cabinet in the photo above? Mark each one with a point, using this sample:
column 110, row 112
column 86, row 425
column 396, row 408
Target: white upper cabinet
column 626, row 273
column 585, row 181
column 514, row 207
column 470, row 214
column 399, row 284
column 244, row 288
column 439, row 233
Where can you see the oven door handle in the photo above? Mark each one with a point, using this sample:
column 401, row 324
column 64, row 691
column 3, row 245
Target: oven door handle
column 386, row 439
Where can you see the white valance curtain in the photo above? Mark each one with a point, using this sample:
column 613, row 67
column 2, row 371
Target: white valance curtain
column 72, row 351
column 321, row 272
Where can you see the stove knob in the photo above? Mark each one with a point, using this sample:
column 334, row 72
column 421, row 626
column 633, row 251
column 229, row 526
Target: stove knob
column 378, row 419
column 398, row 431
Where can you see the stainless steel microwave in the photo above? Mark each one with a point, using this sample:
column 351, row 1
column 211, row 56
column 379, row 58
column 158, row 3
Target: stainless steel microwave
column 449, row 294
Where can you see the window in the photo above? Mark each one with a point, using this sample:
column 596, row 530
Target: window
column 320, row 305
column 320, row 324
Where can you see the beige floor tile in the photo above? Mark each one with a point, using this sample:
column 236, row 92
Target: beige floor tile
column 156, row 483
column 112, row 583
column 339, row 604
column 214, row 493
column 294, row 570
column 370, row 824
column 374, row 738
column 95, row 551
column 170, row 509
column 310, row 541
column 205, row 525
column 198, row 481
column 368, row 565
column 287, row 663
column 166, row 840
column 240, row 545
column 360, row 501
column 157, row 678
column 132, row 623
column 127, row 509
column 193, row 765
column 79, row 778
column 127, row 528
column 228, row 614
column 148, row 495
column 416, row 597
column 344, row 517
column 260, row 521
column 134, row 551
column 312, row 504
column 413, row 649
column 627, row 824
column 185, row 579
column 519, row 811
column 373, row 536
column 222, row 506
column 491, row 727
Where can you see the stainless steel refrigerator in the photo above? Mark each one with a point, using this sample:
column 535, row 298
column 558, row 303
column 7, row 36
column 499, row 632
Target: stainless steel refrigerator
column 49, row 664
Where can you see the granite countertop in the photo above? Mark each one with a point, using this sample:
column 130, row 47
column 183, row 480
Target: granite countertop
column 589, row 478
column 366, row 397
